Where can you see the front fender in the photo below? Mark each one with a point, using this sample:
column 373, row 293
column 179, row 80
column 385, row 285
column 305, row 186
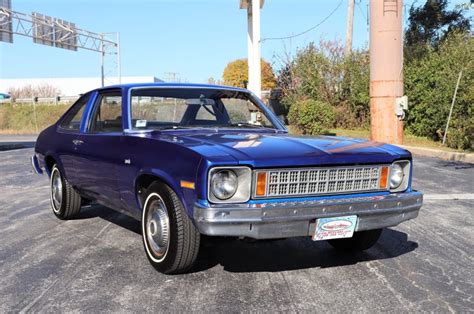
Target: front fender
column 187, row 196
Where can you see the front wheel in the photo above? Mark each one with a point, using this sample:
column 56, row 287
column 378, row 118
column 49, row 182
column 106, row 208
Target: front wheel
column 170, row 238
column 360, row 241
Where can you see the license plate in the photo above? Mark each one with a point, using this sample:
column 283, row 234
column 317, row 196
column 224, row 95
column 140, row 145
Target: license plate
column 335, row 228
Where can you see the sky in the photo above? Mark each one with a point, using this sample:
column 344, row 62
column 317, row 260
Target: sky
column 193, row 38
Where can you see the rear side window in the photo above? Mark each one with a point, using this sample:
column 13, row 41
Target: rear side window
column 107, row 116
column 72, row 120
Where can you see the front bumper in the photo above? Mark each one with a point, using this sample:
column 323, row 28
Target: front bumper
column 298, row 218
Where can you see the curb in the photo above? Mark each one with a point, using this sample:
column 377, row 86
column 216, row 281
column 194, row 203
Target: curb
column 13, row 146
column 430, row 152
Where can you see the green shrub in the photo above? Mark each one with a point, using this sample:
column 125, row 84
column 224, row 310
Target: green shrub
column 311, row 116
column 323, row 73
column 430, row 84
column 461, row 133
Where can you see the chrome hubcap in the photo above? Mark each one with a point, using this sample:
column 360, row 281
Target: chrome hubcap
column 56, row 190
column 157, row 227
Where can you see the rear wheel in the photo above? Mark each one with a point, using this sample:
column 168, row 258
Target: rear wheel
column 360, row 241
column 65, row 201
column 170, row 238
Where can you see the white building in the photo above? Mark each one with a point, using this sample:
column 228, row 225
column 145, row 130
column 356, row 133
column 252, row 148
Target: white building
column 72, row 86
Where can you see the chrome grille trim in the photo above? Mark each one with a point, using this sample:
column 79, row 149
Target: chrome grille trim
column 313, row 181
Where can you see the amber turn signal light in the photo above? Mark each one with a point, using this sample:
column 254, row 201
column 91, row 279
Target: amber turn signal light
column 187, row 184
column 261, row 184
column 383, row 177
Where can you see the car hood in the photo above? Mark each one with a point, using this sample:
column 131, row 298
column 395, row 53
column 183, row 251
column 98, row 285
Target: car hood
column 280, row 149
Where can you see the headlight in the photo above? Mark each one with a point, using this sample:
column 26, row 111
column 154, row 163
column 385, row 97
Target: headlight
column 224, row 184
column 399, row 176
column 229, row 184
column 396, row 176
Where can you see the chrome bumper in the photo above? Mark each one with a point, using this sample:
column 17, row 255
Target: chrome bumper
column 298, row 218
column 35, row 164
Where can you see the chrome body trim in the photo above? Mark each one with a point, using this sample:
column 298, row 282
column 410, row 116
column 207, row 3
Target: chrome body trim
column 297, row 218
column 406, row 166
column 279, row 126
column 232, row 199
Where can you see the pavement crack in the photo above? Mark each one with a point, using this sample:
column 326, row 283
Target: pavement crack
column 293, row 304
column 381, row 277
column 39, row 297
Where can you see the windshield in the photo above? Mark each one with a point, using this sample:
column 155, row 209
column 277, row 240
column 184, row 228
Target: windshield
column 173, row 108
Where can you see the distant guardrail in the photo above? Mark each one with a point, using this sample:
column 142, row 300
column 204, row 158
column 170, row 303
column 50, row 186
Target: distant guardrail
column 41, row 100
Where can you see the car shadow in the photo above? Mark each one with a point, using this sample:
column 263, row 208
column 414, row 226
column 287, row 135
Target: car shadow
column 110, row 215
column 238, row 256
column 293, row 254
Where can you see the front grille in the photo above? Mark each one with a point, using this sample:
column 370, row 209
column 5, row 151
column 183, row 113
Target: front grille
column 315, row 181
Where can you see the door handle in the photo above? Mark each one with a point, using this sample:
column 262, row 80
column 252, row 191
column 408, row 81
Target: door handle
column 77, row 142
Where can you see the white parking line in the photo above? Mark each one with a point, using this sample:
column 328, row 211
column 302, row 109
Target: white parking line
column 464, row 196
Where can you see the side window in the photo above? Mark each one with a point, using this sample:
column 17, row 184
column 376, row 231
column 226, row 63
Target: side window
column 107, row 115
column 72, row 120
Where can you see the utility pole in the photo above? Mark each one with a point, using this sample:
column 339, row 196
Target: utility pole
column 386, row 70
column 349, row 27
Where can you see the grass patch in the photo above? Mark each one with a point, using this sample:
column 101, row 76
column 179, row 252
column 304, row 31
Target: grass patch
column 27, row 119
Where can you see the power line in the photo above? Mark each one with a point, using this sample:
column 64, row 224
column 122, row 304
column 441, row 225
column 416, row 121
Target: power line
column 358, row 3
column 309, row 29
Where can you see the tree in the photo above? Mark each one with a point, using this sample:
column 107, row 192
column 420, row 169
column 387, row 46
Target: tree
column 212, row 81
column 28, row 91
column 429, row 85
column 323, row 73
column 430, row 24
column 236, row 74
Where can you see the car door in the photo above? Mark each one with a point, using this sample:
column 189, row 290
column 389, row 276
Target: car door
column 98, row 148
column 69, row 129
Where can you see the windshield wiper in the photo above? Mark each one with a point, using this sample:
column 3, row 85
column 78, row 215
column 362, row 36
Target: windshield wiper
column 246, row 125
column 187, row 127
column 174, row 127
column 215, row 126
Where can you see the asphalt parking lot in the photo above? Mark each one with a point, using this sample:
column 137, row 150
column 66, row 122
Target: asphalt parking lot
column 96, row 262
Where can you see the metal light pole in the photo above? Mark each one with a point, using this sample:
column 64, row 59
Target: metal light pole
column 249, row 47
column 102, row 54
column 253, row 39
column 119, row 65
column 386, row 70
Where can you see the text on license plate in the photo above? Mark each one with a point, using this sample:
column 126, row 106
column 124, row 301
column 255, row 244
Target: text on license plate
column 335, row 227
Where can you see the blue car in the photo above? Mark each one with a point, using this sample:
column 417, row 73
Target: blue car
column 188, row 160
